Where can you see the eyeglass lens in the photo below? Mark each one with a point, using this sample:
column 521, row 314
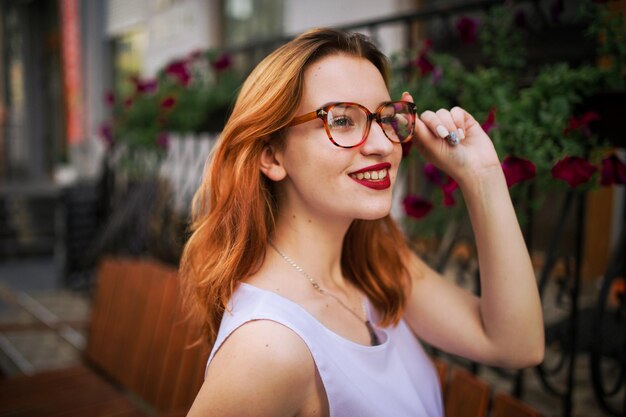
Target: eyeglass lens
column 348, row 123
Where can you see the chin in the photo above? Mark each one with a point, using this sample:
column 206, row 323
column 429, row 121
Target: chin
column 374, row 214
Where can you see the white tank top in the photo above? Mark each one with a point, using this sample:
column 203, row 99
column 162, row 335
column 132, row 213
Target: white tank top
column 395, row 378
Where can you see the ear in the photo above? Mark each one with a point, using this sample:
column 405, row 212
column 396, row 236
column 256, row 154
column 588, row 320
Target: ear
column 271, row 163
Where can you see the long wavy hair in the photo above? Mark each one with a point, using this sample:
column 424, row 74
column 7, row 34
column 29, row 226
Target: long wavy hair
column 234, row 208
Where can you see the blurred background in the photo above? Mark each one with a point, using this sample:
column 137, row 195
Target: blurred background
column 109, row 109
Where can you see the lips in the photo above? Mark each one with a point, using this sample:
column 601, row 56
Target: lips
column 373, row 176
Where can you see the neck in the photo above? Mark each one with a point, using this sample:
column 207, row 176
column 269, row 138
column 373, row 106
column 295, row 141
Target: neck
column 315, row 245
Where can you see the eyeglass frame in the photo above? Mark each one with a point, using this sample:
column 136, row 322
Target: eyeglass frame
column 322, row 114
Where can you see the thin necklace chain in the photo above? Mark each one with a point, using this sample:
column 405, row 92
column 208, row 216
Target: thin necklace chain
column 316, row 286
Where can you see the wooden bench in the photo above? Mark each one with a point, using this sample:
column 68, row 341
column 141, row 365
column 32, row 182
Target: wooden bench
column 466, row 395
column 140, row 359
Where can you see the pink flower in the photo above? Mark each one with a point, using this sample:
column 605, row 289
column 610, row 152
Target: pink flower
column 581, row 123
column 416, row 207
column 467, row 28
column 573, row 170
column 613, row 171
column 490, row 121
column 168, row 102
column 448, row 191
column 178, row 70
column 517, row 170
column 222, row 63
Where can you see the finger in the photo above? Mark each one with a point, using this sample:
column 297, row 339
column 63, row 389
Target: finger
column 446, row 119
column 458, row 115
column 440, row 128
column 406, row 96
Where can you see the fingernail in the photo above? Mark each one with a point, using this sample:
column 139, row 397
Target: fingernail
column 442, row 131
column 406, row 92
column 461, row 133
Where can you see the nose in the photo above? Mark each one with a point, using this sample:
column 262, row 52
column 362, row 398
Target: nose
column 377, row 142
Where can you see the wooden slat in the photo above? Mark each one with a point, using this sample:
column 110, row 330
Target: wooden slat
column 104, row 299
column 505, row 405
column 174, row 353
column 118, row 407
column 152, row 368
column 442, row 372
column 56, row 393
column 192, row 359
column 198, row 378
column 466, row 395
column 137, row 284
column 157, row 276
column 24, row 385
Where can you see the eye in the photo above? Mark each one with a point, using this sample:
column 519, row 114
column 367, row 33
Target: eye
column 340, row 122
column 388, row 119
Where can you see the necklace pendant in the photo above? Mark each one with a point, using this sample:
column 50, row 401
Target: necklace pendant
column 374, row 341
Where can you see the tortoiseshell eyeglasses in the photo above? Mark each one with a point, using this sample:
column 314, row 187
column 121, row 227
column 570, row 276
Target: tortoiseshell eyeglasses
column 348, row 124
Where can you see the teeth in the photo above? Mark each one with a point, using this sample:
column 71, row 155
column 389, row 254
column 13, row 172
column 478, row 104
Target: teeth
column 373, row 175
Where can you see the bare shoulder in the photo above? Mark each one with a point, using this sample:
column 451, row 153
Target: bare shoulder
column 262, row 369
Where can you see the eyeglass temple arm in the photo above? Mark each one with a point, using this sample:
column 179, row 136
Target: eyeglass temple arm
column 305, row 118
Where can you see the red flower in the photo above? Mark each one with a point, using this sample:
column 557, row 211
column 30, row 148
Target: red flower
column 168, row 102
column 613, row 171
column 128, row 103
column 467, row 29
column 417, row 207
column 490, row 121
column 581, row 123
column 178, row 70
column 422, row 62
column 433, row 173
column 222, row 63
column 424, row 65
column 573, row 170
column 517, row 170
column 144, row 86
column 448, row 190
column 109, row 99
column 106, row 132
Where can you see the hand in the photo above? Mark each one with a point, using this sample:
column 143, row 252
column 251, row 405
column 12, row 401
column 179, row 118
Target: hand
column 471, row 158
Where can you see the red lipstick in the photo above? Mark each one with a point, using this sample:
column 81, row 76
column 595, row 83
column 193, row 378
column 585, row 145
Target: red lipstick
column 381, row 184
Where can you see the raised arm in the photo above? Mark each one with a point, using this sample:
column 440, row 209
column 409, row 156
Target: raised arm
column 504, row 326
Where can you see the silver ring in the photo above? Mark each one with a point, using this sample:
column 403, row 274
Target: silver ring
column 453, row 139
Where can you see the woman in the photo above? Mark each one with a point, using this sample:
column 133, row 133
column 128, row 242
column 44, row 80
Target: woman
column 308, row 292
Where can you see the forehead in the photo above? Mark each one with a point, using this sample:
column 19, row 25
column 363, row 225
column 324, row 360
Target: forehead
column 343, row 78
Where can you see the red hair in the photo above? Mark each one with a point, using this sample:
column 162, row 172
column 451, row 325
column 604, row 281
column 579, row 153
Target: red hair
column 234, row 208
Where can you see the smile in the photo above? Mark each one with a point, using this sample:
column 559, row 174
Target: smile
column 370, row 175
column 375, row 176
